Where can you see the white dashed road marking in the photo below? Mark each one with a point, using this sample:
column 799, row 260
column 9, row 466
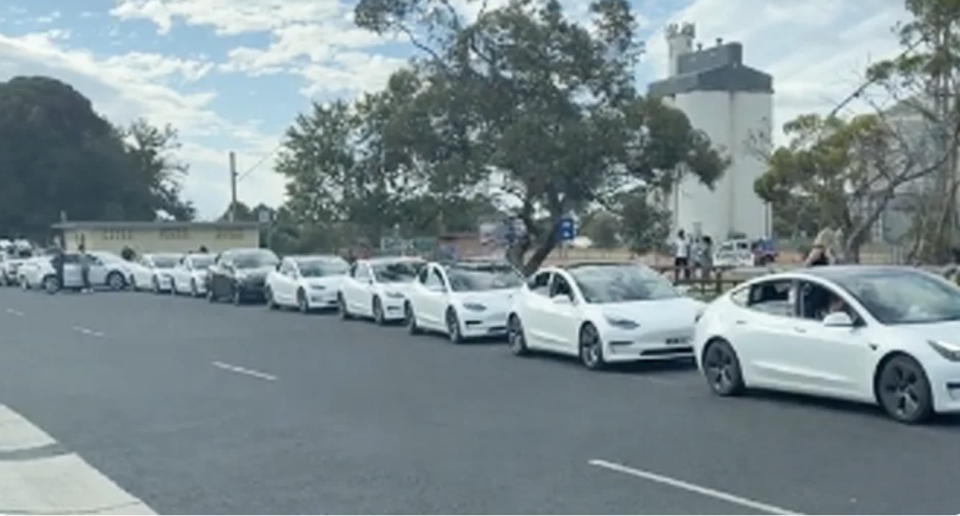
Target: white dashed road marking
column 88, row 331
column 15, row 313
column 243, row 370
column 39, row 477
column 692, row 488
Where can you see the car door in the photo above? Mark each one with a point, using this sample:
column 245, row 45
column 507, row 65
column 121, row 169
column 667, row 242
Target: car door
column 534, row 310
column 361, row 299
column 349, row 287
column 562, row 319
column 220, row 278
column 72, row 276
column 290, row 282
column 825, row 360
column 433, row 298
column 98, row 270
column 763, row 321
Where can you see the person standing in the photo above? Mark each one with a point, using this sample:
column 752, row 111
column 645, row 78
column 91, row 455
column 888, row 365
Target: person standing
column 706, row 257
column 85, row 270
column 821, row 252
column 681, row 256
column 58, row 261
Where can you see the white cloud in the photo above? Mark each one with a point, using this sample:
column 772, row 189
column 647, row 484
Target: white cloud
column 127, row 86
column 227, row 16
column 816, row 50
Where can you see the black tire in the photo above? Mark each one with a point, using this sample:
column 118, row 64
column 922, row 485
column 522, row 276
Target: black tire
column 721, row 368
column 116, row 281
column 236, row 295
column 903, row 390
column 454, row 332
column 591, row 348
column 303, row 303
column 410, row 319
column 378, row 315
column 268, row 295
column 342, row 308
column 50, row 284
column 516, row 337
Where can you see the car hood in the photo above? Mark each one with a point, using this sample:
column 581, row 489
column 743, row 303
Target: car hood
column 402, row 288
column 661, row 313
column 499, row 300
column 948, row 331
column 330, row 282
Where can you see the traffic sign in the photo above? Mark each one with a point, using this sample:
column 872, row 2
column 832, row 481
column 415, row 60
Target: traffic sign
column 567, row 228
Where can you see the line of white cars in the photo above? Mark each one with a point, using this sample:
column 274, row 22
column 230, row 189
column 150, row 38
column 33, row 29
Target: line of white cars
column 888, row 336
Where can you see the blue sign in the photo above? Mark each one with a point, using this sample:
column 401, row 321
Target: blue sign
column 567, row 228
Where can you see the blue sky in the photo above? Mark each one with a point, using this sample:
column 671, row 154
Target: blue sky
column 232, row 74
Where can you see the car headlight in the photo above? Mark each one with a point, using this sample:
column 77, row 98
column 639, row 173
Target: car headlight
column 946, row 350
column 395, row 295
column 624, row 324
column 474, row 307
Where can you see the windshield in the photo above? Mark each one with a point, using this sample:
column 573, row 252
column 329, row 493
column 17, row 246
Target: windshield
column 397, row 272
column 201, row 262
column 255, row 260
column 482, row 276
column 165, row 262
column 904, row 297
column 320, row 267
column 621, row 283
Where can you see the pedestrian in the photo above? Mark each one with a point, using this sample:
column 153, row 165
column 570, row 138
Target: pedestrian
column 85, row 260
column 58, row 261
column 821, row 252
column 706, row 257
column 681, row 256
column 203, row 249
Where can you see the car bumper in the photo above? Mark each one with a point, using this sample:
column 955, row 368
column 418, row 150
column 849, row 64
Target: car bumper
column 165, row 283
column 945, row 386
column 484, row 325
column 633, row 346
column 321, row 299
column 252, row 291
column 393, row 309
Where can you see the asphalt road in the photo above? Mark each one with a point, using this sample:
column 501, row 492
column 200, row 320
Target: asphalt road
column 197, row 408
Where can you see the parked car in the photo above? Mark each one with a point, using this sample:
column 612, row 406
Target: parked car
column 306, row 282
column 878, row 335
column 603, row 313
column 462, row 299
column 39, row 273
column 377, row 288
column 190, row 275
column 240, row 275
column 153, row 271
column 108, row 270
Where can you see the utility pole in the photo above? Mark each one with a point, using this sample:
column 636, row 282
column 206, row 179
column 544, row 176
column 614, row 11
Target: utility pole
column 233, row 187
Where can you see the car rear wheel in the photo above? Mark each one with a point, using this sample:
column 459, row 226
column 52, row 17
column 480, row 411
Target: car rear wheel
column 721, row 367
column 903, row 390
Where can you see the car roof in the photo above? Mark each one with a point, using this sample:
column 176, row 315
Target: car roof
column 836, row 273
column 587, row 263
column 296, row 257
column 391, row 259
column 471, row 262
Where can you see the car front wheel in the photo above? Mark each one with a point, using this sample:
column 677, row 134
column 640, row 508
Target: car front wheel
column 903, row 390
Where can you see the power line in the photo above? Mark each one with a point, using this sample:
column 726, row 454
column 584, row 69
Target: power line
column 260, row 162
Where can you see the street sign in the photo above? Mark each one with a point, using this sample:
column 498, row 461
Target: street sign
column 568, row 229
column 264, row 216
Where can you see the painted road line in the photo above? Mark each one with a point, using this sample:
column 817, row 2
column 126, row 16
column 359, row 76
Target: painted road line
column 15, row 313
column 692, row 488
column 243, row 370
column 38, row 476
column 88, row 331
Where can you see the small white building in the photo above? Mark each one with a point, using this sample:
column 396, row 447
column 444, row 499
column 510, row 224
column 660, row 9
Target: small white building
column 733, row 104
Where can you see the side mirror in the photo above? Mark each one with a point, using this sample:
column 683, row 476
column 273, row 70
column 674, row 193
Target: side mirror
column 838, row 320
column 561, row 300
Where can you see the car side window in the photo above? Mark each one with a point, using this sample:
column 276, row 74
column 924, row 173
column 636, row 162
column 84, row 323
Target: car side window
column 772, row 297
column 540, row 283
column 434, row 278
column 560, row 287
column 816, row 301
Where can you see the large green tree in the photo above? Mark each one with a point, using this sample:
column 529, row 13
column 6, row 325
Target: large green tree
column 58, row 156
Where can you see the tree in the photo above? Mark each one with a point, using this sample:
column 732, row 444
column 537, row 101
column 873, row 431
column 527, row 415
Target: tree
column 925, row 80
column 602, row 228
column 645, row 226
column 848, row 170
column 545, row 103
column 58, row 156
column 153, row 151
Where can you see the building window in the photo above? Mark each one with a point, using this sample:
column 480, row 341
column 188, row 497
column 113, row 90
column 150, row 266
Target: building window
column 117, row 234
column 229, row 234
column 174, row 234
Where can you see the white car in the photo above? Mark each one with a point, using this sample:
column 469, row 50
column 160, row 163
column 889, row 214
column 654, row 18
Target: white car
column 307, row 283
column 881, row 335
column 603, row 313
column 378, row 287
column 462, row 299
column 10, row 275
column 109, row 269
column 153, row 272
column 30, row 273
column 190, row 275
column 40, row 272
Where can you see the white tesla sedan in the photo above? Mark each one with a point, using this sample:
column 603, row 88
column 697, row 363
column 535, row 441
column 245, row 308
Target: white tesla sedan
column 306, row 283
column 463, row 299
column 377, row 288
column 153, row 271
column 603, row 313
column 881, row 335
column 190, row 275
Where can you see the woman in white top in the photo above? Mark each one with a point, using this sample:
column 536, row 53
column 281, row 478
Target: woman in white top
column 681, row 256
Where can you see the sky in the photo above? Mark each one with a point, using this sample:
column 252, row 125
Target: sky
column 231, row 75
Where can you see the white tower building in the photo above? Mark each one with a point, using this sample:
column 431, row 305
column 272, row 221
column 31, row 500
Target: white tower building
column 733, row 105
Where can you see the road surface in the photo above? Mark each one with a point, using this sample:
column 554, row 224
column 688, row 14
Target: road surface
column 194, row 408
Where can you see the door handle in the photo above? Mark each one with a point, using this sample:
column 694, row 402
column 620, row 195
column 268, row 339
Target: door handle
column 799, row 329
column 741, row 322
